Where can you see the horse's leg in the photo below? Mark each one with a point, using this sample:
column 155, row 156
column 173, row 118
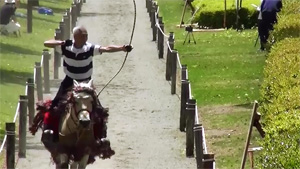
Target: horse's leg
column 74, row 165
column 62, row 161
column 83, row 162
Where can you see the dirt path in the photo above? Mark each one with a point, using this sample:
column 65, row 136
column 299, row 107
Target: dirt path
column 144, row 116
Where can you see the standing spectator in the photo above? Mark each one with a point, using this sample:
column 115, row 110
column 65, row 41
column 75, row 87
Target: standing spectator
column 8, row 22
column 268, row 12
column 189, row 3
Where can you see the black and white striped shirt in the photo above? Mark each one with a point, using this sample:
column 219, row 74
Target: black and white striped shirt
column 78, row 63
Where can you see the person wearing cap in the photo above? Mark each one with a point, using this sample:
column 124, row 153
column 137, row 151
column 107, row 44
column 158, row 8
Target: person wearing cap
column 268, row 16
column 8, row 22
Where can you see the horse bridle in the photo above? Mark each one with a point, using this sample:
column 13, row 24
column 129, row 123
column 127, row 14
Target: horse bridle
column 73, row 102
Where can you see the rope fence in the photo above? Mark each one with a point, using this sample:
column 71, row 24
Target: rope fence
column 38, row 85
column 189, row 117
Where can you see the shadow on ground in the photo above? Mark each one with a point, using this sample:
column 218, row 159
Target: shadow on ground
column 7, row 48
column 7, row 76
column 246, row 105
column 55, row 10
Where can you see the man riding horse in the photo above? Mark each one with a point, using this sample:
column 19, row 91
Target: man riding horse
column 78, row 65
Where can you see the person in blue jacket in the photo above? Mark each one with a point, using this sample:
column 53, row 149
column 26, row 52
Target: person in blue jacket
column 268, row 11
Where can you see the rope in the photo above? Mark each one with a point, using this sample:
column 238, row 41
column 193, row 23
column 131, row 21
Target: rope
column 131, row 37
column 157, row 24
column 17, row 111
column 204, row 141
column 42, row 60
column 34, row 75
column 3, row 143
column 178, row 61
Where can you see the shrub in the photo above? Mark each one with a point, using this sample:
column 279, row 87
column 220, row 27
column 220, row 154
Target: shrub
column 280, row 106
column 290, row 7
column 288, row 26
column 211, row 13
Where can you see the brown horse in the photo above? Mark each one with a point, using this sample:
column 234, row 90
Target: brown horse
column 78, row 118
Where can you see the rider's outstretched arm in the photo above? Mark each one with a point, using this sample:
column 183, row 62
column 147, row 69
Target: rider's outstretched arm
column 53, row 43
column 115, row 48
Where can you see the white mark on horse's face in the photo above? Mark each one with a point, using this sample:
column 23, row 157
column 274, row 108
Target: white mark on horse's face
column 84, row 102
column 83, row 84
column 84, row 116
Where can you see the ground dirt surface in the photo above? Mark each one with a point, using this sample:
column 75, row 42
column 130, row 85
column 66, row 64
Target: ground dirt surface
column 144, row 116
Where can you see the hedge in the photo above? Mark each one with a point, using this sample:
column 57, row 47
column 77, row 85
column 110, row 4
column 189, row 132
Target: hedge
column 280, row 107
column 288, row 21
column 211, row 13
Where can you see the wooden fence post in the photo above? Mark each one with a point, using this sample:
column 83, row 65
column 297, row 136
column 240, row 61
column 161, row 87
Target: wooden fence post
column 173, row 71
column 168, row 60
column 57, row 56
column 77, row 9
column 38, row 81
column 30, row 95
column 74, row 15
column 29, row 16
column 254, row 111
column 184, row 73
column 148, row 6
column 62, row 29
column 67, row 24
column 10, row 145
column 153, row 21
column 161, row 39
column 184, row 97
column 158, row 32
column 22, row 125
column 46, row 70
column 199, row 145
column 190, row 122
column 208, row 161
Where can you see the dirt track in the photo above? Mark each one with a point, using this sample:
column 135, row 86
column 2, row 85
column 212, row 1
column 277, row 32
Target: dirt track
column 144, row 116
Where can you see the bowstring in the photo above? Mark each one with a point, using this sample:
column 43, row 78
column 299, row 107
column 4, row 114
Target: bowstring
column 131, row 37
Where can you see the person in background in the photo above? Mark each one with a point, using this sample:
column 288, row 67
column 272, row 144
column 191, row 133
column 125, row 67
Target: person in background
column 8, row 22
column 267, row 19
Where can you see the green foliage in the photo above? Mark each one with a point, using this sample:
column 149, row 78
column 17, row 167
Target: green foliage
column 211, row 13
column 288, row 25
column 224, row 69
column 280, row 106
column 290, row 7
column 18, row 55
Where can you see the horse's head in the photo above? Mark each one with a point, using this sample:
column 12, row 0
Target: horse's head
column 83, row 98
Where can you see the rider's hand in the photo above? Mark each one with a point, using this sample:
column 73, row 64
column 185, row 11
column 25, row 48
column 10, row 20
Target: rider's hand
column 128, row 48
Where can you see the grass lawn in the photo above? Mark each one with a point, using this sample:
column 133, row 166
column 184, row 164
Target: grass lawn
column 18, row 54
column 225, row 71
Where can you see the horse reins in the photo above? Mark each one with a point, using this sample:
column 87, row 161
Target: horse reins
column 131, row 37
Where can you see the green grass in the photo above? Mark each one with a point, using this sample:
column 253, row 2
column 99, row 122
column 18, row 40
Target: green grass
column 225, row 71
column 18, row 55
